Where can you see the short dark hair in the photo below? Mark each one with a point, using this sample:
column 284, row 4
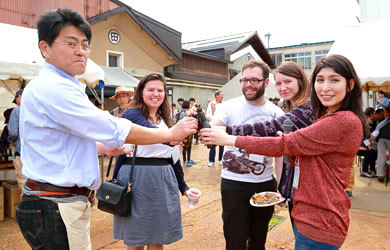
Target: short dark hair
column 186, row 105
column 381, row 92
column 217, row 93
column 192, row 99
column 379, row 111
column 52, row 21
column 180, row 100
column 369, row 111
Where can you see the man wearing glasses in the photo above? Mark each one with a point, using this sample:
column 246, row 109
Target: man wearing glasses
column 61, row 134
column 245, row 226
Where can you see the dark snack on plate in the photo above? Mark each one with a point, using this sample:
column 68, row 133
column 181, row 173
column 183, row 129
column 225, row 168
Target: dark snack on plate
column 265, row 198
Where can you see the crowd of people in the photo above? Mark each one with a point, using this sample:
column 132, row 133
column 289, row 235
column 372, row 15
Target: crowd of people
column 54, row 127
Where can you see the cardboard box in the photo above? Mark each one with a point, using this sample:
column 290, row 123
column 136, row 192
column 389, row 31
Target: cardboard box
column 11, row 198
column 1, row 203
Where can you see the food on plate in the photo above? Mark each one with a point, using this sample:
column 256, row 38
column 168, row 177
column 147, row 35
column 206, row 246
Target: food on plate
column 265, row 198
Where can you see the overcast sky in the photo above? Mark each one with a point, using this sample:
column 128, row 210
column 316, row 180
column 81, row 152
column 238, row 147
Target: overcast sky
column 289, row 21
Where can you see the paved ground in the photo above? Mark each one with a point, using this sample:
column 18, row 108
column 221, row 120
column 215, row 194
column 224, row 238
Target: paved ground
column 369, row 227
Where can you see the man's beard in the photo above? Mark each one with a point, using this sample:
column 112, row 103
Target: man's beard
column 259, row 93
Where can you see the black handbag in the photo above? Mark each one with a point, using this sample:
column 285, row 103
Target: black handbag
column 113, row 196
column 287, row 178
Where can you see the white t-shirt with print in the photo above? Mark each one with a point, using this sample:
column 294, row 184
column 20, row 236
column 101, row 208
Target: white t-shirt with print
column 237, row 164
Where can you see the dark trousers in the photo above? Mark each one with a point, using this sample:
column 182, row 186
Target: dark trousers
column 212, row 154
column 186, row 154
column 370, row 156
column 245, row 226
column 41, row 224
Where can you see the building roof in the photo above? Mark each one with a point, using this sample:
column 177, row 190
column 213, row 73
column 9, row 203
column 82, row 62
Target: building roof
column 231, row 44
column 300, row 45
column 205, row 56
column 168, row 38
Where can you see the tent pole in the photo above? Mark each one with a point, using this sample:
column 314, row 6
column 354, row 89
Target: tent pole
column 102, row 107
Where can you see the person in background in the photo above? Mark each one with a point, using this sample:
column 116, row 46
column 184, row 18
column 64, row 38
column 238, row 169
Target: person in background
column 173, row 110
column 281, row 104
column 245, row 226
column 294, row 88
column 381, row 135
column 368, row 149
column 155, row 218
column 211, row 109
column 192, row 101
column 321, row 214
column 382, row 101
column 379, row 115
column 61, row 133
column 4, row 142
column 122, row 97
column 180, row 102
column 13, row 137
column 188, row 144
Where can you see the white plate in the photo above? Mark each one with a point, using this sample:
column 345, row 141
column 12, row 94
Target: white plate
column 281, row 199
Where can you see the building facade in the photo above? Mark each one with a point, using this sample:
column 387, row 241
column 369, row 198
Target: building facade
column 305, row 54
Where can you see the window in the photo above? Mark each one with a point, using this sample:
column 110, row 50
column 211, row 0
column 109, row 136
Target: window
column 233, row 73
column 277, row 59
column 114, row 59
column 320, row 54
column 303, row 58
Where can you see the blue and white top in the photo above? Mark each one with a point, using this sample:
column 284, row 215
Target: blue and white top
column 59, row 128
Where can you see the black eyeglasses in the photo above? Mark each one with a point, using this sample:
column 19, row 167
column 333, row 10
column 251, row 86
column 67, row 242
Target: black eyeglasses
column 252, row 81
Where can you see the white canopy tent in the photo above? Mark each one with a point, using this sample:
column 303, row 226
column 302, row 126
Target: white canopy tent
column 21, row 60
column 367, row 46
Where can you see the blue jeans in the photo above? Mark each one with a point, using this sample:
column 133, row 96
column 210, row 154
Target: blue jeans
column 41, row 224
column 304, row 243
column 212, row 154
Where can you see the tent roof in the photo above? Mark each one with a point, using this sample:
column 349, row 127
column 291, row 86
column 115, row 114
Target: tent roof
column 366, row 45
column 118, row 77
column 22, row 57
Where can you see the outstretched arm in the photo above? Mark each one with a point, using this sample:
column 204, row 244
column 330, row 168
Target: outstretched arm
column 301, row 117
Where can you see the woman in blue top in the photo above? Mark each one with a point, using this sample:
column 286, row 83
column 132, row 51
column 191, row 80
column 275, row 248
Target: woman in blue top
column 155, row 218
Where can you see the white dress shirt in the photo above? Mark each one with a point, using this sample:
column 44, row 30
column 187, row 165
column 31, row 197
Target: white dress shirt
column 59, row 127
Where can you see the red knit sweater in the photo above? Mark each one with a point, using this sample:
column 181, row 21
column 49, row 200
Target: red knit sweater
column 326, row 152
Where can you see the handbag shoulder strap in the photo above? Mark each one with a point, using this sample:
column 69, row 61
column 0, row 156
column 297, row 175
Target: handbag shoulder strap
column 132, row 165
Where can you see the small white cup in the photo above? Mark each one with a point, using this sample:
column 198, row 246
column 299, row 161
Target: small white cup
column 128, row 148
column 193, row 197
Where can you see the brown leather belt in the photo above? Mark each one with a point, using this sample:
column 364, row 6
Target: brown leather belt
column 39, row 186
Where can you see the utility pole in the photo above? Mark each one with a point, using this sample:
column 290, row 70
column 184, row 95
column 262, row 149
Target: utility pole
column 268, row 35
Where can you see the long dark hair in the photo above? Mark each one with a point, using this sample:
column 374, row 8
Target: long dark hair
column 164, row 111
column 353, row 98
column 296, row 71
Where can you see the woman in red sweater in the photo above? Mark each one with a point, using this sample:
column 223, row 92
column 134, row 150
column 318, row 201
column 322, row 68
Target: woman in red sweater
column 326, row 151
